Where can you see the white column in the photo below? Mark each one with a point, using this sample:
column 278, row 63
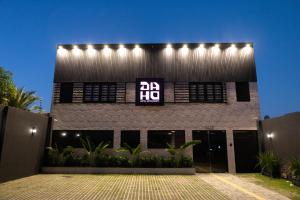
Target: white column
column 230, row 151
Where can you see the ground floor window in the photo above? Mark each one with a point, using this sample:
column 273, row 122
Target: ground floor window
column 130, row 137
column 63, row 138
column 158, row 139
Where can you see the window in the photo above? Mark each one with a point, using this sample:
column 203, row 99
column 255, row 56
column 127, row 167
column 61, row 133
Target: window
column 63, row 138
column 207, row 92
column 99, row 92
column 66, row 93
column 131, row 138
column 159, row 139
column 242, row 91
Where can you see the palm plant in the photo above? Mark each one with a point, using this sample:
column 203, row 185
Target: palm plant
column 134, row 153
column 269, row 164
column 20, row 98
column 177, row 154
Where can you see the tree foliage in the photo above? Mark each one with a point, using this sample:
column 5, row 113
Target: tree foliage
column 11, row 95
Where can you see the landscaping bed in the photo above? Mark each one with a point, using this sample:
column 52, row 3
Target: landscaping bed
column 116, row 170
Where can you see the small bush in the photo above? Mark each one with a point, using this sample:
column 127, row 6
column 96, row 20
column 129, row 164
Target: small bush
column 269, row 164
column 54, row 158
column 69, row 157
column 185, row 162
column 294, row 168
column 167, row 162
column 148, row 161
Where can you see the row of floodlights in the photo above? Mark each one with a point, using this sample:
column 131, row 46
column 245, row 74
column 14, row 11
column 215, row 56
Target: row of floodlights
column 121, row 46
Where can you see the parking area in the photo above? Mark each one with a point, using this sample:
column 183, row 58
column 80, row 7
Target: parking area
column 201, row 186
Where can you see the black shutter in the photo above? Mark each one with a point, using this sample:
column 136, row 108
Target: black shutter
column 66, row 93
column 242, row 91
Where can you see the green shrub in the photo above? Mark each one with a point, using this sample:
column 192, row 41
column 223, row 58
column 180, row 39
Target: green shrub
column 269, row 164
column 148, row 161
column 119, row 161
column 167, row 162
column 294, row 168
column 185, row 161
column 69, row 157
column 54, row 157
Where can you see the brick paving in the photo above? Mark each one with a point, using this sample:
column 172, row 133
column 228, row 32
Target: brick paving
column 150, row 187
column 236, row 188
column 109, row 187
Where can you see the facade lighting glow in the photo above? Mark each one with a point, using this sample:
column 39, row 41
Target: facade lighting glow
column 122, row 51
column 90, row 46
column 201, row 46
column 63, row 134
column 184, row 50
column 169, row 50
column 76, row 51
column 106, row 51
column 137, row 51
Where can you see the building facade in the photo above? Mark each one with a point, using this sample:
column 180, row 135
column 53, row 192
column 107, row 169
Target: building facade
column 153, row 94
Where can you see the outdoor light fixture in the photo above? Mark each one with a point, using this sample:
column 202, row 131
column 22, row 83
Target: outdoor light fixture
column 217, row 46
column 270, row 135
column 63, row 134
column 169, row 49
column 33, row 130
column 76, row 50
column 122, row 50
column 75, row 47
column 248, row 45
column 233, row 46
column 201, row 45
column 137, row 51
column 121, row 46
column 60, row 47
column 106, row 51
column 185, row 46
column 90, row 46
column 77, row 134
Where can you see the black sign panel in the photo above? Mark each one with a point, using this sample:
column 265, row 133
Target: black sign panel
column 149, row 91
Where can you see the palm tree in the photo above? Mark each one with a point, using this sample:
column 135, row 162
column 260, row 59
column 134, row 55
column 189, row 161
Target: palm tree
column 20, row 98
column 134, row 153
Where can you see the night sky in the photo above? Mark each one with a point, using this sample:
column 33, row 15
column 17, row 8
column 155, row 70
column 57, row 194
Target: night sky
column 30, row 30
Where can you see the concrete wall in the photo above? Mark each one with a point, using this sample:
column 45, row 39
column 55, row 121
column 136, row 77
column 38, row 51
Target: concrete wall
column 22, row 152
column 228, row 116
column 286, row 131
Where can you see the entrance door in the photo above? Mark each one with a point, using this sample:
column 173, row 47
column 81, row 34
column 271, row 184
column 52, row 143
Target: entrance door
column 211, row 154
column 246, row 150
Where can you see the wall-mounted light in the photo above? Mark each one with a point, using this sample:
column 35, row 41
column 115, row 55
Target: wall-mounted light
column 91, row 52
column 106, row 51
column 76, row 51
column 122, row 50
column 33, row 130
column 270, row 135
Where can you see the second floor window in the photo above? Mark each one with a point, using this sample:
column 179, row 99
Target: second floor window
column 207, row 92
column 99, row 93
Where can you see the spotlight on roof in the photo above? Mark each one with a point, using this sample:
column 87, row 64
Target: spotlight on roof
column 89, row 46
column 248, row 45
column 106, row 46
column 233, row 45
column 60, row 47
column 185, row 46
column 217, row 45
column 137, row 46
column 75, row 47
column 201, row 45
column 121, row 46
column 169, row 46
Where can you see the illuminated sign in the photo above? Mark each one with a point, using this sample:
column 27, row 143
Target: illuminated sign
column 149, row 91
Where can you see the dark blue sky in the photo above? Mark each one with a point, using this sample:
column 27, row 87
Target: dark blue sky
column 30, row 30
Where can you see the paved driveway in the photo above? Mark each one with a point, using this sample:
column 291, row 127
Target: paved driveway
column 203, row 186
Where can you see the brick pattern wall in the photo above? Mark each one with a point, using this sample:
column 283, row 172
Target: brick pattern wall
column 228, row 116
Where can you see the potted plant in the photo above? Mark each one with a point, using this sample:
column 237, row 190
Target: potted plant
column 269, row 164
column 294, row 170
